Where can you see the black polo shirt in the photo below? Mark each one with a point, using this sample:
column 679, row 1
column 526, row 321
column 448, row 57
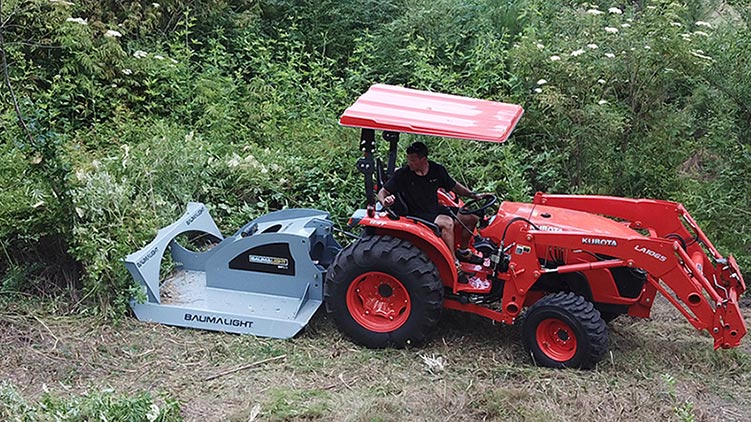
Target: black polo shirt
column 419, row 192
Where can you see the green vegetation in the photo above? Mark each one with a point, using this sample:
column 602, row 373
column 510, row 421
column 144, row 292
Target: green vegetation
column 97, row 405
column 130, row 110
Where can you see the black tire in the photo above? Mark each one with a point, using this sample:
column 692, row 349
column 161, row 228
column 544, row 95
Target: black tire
column 405, row 267
column 564, row 330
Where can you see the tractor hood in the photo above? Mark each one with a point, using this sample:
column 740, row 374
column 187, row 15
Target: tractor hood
column 396, row 109
column 554, row 219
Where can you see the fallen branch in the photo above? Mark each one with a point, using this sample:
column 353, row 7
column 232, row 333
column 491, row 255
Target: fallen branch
column 250, row 365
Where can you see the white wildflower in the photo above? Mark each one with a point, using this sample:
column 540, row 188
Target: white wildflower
column 234, row 162
column 173, row 61
column 578, row 52
column 539, row 46
column 615, row 11
column 595, row 12
column 625, row 25
column 593, row 46
column 601, row 81
column 686, row 36
column 140, row 54
column 158, row 57
column 127, row 72
column 678, row 24
column 126, row 149
column 704, row 24
column 609, row 55
column 646, row 47
column 700, row 54
column 702, row 33
column 652, row 7
column 611, row 30
column 538, row 90
column 542, row 82
column 112, row 33
column 602, row 102
column 555, row 58
column 80, row 21
column 155, row 5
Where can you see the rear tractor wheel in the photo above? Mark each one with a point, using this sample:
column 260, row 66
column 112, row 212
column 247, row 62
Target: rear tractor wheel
column 383, row 291
column 563, row 330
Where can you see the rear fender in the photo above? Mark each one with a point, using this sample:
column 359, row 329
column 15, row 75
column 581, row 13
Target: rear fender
column 420, row 236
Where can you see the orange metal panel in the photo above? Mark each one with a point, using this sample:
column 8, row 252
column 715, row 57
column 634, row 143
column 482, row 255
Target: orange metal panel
column 398, row 109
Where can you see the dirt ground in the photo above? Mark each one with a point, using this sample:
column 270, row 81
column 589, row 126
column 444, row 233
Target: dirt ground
column 657, row 369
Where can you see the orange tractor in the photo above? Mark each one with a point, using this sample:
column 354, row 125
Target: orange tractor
column 564, row 265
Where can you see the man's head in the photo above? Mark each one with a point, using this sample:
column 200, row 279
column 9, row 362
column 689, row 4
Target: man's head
column 417, row 156
column 418, row 148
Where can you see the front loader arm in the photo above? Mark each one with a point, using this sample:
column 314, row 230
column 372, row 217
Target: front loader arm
column 708, row 305
column 683, row 264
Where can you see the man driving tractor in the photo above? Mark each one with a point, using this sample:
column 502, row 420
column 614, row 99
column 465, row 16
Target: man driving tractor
column 417, row 184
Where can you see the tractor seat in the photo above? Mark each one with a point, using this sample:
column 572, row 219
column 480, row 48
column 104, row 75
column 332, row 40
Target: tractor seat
column 401, row 209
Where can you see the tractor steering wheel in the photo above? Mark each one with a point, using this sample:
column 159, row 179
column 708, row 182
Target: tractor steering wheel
column 478, row 206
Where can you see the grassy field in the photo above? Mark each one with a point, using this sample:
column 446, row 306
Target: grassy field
column 658, row 369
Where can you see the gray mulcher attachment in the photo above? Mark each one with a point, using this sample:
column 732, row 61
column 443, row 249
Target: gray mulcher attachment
column 265, row 280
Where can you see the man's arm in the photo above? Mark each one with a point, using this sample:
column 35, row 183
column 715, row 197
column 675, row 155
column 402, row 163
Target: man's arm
column 462, row 190
column 385, row 197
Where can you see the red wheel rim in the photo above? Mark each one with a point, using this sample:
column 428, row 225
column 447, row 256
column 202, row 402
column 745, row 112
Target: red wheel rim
column 378, row 302
column 556, row 339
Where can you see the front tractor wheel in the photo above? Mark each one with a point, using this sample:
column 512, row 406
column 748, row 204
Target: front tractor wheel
column 564, row 330
column 383, row 291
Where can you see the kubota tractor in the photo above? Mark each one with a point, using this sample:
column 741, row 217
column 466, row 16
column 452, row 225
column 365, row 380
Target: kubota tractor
column 564, row 265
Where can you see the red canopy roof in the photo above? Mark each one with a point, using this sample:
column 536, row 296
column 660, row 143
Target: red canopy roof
column 397, row 109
